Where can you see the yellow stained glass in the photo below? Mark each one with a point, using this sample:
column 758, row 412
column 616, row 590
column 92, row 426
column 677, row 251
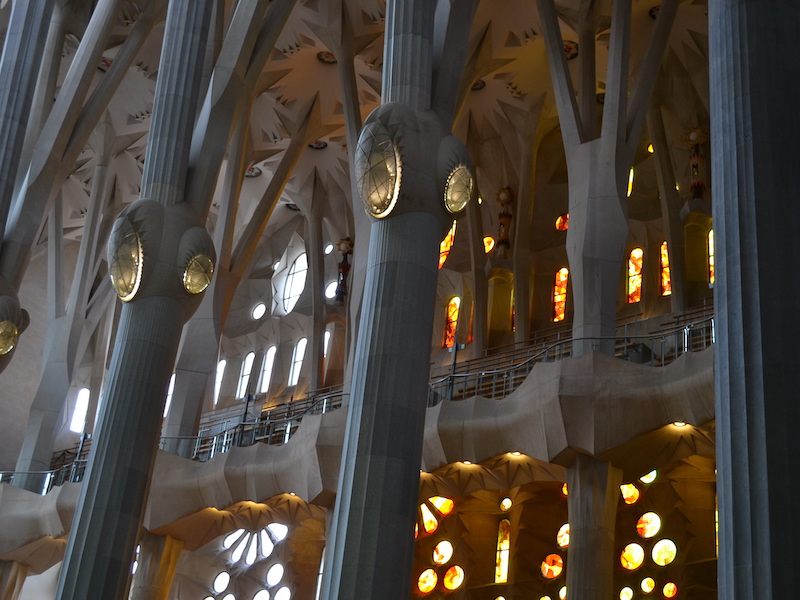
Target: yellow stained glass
column 442, row 504
column 562, row 222
column 632, row 556
column 666, row 281
column 562, row 537
column 711, row 256
column 453, row 578
column 503, row 551
column 664, row 552
column 648, row 524
column 488, row 244
column 545, row 598
column 429, row 522
column 626, row 593
column 650, row 477
column 630, row 493
column 648, row 585
column 451, row 322
column 552, row 566
column 442, row 552
column 670, row 590
column 560, row 295
column 562, row 593
column 630, row 182
column 635, row 261
column 446, row 245
column 427, row 581
column 564, row 490
column 505, row 504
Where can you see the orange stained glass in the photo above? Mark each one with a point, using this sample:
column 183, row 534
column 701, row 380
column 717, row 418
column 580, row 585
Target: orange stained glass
column 648, row 585
column 562, row 537
column 446, row 245
column 630, row 493
column 666, row 281
column 503, row 551
column 451, row 322
column 488, row 244
column 632, row 556
column 416, row 530
column 429, row 522
column 664, row 552
column 648, row 525
column 562, row 593
column 453, row 578
column 670, row 590
column 635, row 275
column 552, row 566
column 560, row 294
column 626, row 593
column 711, row 256
column 442, row 553
column 442, row 504
column 562, row 222
column 427, row 581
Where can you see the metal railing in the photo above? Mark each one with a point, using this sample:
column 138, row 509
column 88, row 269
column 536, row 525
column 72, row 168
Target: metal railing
column 44, row 481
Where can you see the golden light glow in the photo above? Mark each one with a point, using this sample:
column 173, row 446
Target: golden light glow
column 650, row 148
column 630, row 493
column 442, row 504
column 198, row 273
column 562, row 537
column 451, row 322
column 666, row 281
column 552, row 566
column 635, row 261
column 679, row 423
column 664, row 552
column 427, row 581
column 630, row 182
column 650, row 477
column 562, row 222
column 453, row 578
column 626, row 593
column 446, row 245
column 503, row 551
column 505, row 504
column 648, row 525
column 442, row 553
column 648, row 585
column 560, row 295
column 711, row 256
column 429, row 522
column 670, row 590
column 488, row 244
column 9, row 334
column 632, row 556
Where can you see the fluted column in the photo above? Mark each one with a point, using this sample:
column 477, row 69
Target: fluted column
column 755, row 124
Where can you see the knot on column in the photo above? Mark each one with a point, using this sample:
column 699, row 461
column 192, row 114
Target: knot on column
column 13, row 321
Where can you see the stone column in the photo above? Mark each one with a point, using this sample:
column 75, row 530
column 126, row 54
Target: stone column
column 161, row 289
column 12, row 577
column 155, row 569
column 755, row 124
column 593, row 498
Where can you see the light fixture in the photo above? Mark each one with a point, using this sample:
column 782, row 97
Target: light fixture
column 378, row 170
column 458, row 189
column 125, row 257
column 198, row 273
column 679, row 424
column 8, row 337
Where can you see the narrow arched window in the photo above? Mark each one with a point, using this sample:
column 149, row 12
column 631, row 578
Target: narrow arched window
column 218, row 379
column 451, row 322
column 170, row 390
column 244, row 375
column 266, row 370
column 78, row 421
column 635, row 275
column 560, row 294
column 503, row 551
column 666, row 280
column 446, row 245
column 711, row 256
column 297, row 361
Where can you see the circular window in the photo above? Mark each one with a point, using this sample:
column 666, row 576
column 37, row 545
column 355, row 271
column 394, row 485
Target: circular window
column 458, row 189
column 377, row 170
column 552, row 566
column 8, row 337
column 562, row 537
column 648, row 524
column 454, row 577
column 198, row 273
column 442, row 552
column 427, row 581
column 630, row 493
column 330, row 290
column 670, row 590
column 632, row 557
column 505, row 504
column 275, row 574
column 283, row 594
column 259, row 310
column 221, row 582
column 648, row 585
column 328, row 249
column 295, row 282
column 626, row 593
column 664, row 552
column 125, row 264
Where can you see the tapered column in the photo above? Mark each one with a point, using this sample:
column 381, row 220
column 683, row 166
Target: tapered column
column 156, row 562
column 755, row 92
column 593, row 498
column 160, row 257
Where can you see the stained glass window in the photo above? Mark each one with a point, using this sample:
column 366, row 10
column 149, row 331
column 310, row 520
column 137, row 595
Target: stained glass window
column 630, row 182
column 451, row 322
column 649, row 477
column 670, row 590
column 427, row 581
column 666, row 281
column 446, row 245
column 244, row 375
column 632, row 556
column 453, row 578
column 552, row 566
column 442, row 504
column 648, row 524
column 429, row 522
column 562, row 222
column 297, row 361
column 626, row 593
column 488, row 244
column 635, row 275
column 648, row 585
column 664, row 552
column 711, row 256
column 442, row 553
column 562, row 537
column 266, row 369
column 560, row 294
column 630, row 493
column 503, row 550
